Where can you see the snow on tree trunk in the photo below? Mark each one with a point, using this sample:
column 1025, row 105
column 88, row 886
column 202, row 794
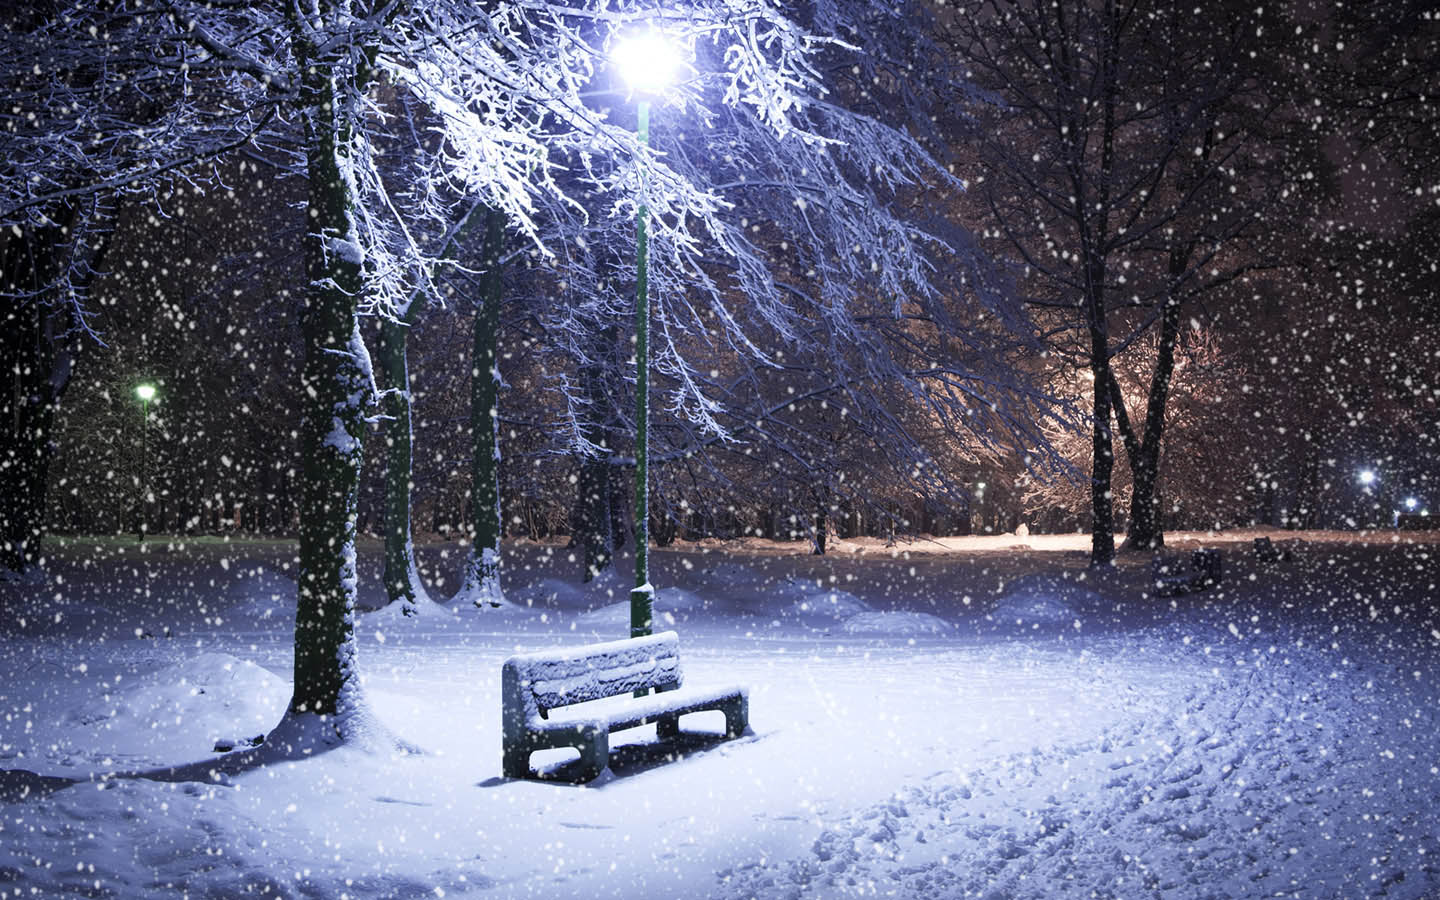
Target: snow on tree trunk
column 402, row 578
column 482, row 585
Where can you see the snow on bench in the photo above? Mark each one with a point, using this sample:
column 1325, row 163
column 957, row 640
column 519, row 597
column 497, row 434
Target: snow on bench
column 538, row 688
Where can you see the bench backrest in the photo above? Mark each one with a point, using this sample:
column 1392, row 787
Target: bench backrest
column 534, row 683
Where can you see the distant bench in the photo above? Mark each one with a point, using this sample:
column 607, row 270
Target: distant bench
column 534, row 686
column 1177, row 575
column 1266, row 552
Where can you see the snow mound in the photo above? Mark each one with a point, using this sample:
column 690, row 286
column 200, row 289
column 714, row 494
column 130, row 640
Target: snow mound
column 393, row 613
column 31, row 577
column 187, row 706
column 262, row 595
column 735, row 574
column 604, row 589
column 671, row 605
column 835, row 605
column 874, row 622
column 1044, row 599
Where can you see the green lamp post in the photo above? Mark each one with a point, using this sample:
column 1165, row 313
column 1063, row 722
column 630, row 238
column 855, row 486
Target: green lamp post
column 647, row 61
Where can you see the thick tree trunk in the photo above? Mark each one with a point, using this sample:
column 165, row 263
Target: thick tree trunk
column 328, row 705
column 402, row 577
column 481, row 585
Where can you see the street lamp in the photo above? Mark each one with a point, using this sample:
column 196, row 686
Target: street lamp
column 1367, row 477
column 647, row 61
column 146, row 393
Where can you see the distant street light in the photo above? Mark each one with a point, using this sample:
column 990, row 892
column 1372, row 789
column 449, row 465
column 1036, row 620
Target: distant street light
column 1411, row 503
column 647, row 61
column 1367, row 477
column 146, row 393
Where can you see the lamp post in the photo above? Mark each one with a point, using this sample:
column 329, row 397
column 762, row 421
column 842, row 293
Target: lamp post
column 146, row 393
column 647, row 62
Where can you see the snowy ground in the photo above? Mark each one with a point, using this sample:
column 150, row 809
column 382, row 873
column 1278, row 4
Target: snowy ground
column 962, row 718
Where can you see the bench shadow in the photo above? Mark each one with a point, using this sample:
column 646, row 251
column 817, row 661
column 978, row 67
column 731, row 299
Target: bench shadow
column 626, row 760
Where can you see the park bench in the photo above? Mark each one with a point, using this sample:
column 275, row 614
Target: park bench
column 1267, row 552
column 558, row 698
column 1178, row 575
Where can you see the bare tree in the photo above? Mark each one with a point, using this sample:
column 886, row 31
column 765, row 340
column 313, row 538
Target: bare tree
column 1123, row 161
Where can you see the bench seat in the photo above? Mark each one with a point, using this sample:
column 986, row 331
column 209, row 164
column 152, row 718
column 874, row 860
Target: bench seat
column 632, row 712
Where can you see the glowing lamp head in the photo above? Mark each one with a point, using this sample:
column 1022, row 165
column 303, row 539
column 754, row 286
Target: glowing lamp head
column 1367, row 476
column 145, row 392
column 1411, row 503
column 648, row 61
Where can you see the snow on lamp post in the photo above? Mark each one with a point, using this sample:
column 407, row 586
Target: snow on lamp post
column 146, row 393
column 647, row 61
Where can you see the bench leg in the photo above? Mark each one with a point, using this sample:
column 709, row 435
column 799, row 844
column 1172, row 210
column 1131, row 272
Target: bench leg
column 516, row 763
column 737, row 716
column 594, row 747
column 667, row 727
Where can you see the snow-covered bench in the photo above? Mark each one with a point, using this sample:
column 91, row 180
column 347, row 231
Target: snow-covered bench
column 540, row 690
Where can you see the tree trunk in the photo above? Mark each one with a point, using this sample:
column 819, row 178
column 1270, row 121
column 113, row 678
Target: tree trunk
column 1147, row 530
column 402, row 578
column 481, row 585
column 1102, row 514
column 595, row 520
column 593, row 530
column 38, row 359
column 328, row 704
column 822, row 520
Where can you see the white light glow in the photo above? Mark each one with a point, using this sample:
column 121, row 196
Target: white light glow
column 1411, row 503
column 145, row 392
column 648, row 61
column 1367, row 476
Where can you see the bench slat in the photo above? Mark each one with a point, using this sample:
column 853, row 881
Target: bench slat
column 636, row 711
column 566, row 676
column 594, row 684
